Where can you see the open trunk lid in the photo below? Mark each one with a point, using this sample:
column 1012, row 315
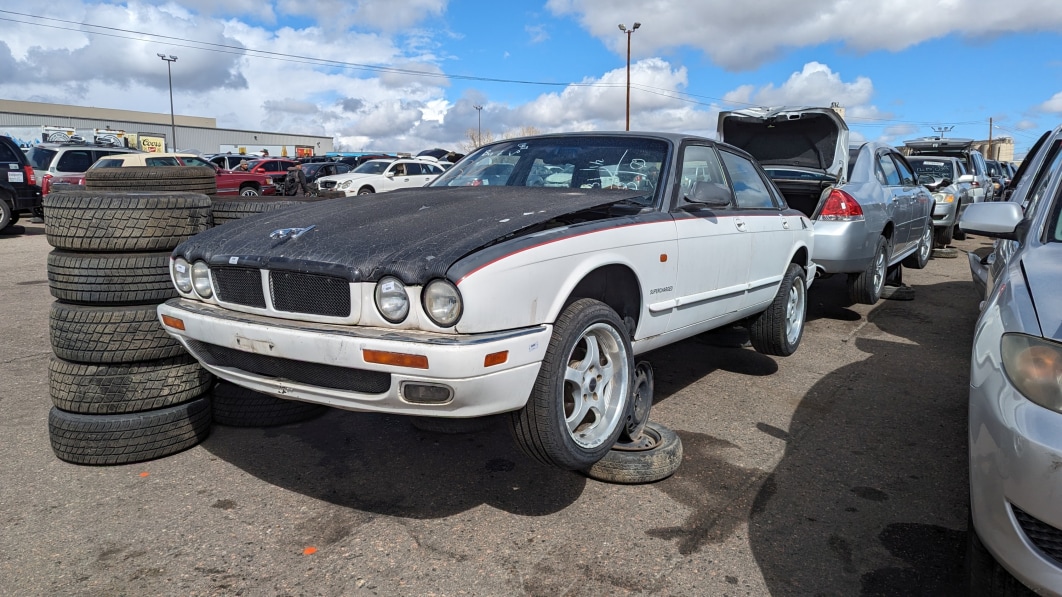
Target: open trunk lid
column 790, row 137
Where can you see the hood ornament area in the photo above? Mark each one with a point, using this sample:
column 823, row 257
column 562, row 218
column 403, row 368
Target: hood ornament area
column 284, row 234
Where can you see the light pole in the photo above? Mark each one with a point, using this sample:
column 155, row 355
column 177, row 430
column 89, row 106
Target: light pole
column 479, row 129
column 169, row 75
column 629, row 32
column 940, row 130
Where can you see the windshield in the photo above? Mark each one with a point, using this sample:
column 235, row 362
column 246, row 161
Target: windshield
column 373, row 167
column 40, row 158
column 571, row 161
column 194, row 161
column 934, row 168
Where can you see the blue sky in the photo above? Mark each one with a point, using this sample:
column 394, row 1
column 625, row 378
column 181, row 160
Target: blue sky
column 404, row 76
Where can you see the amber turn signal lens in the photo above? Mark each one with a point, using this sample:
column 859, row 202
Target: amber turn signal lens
column 173, row 322
column 496, row 358
column 398, row 359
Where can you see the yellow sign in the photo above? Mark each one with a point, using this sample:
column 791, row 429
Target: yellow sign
column 152, row 144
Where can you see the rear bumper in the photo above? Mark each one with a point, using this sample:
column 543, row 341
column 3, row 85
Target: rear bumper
column 843, row 247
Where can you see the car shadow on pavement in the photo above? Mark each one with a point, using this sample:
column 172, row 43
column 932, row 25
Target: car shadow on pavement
column 870, row 497
column 383, row 464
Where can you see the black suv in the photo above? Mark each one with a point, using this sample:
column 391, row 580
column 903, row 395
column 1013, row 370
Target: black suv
column 19, row 193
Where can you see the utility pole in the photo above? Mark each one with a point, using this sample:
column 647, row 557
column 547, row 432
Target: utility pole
column 990, row 156
column 624, row 29
column 479, row 130
column 169, row 75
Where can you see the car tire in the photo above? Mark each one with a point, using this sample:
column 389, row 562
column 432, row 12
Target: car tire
column 7, row 216
column 984, row 576
column 366, row 191
column 99, row 389
column 657, row 461
column 778, row 329
column 866, row 286
column 237, row 406
column 559, row 425
column 109, row 334
column 958, row 233
column 249, row 191
column 124, row 222
column 942, row 236
column 227, row 210
column 110, row 278
column 130, row 437
column 194, row 179
column 920, row 258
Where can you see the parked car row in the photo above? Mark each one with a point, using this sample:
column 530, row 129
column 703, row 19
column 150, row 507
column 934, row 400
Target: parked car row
column 1015, row 412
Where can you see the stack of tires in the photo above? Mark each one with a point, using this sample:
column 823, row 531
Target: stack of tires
column 123, row 390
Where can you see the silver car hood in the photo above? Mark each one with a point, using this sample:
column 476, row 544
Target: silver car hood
column 802, row 137
column 1043, row 272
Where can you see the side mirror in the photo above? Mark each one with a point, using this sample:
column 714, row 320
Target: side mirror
column 710, row 193
column 389, row 174
column 966, row 178
column 995, row 219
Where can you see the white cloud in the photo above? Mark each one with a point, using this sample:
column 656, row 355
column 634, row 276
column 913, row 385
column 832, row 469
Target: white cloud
column 1054, row 104
column 743, row 35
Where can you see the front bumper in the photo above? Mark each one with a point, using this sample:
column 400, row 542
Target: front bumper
column 1015, row 477
column 944, row 214
column 453, row 361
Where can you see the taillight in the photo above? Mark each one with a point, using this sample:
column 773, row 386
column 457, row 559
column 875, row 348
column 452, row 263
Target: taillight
column 841, row 206
column 976, row 184
column 31, row 176
column 46, row 184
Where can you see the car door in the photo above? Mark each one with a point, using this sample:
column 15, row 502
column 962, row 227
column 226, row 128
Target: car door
column 917, row 198
column 759, row 206
column 897, row 204
column 399, row 177
column 714, row 244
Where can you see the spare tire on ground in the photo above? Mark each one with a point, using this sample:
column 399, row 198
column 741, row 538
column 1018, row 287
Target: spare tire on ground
column 97, row 389
column 127, row 438
column 110, row 278
column 237, row 406
column 107, row 221
column 227, row 210
column 193, row 179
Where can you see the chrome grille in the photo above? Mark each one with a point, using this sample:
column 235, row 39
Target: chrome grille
column 326, row 184
column 313, row 374
column 1044, row 536
column 313, row 294
column 239, row 285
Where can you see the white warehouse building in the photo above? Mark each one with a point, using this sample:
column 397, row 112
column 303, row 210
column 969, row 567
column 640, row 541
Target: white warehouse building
column 29, row 123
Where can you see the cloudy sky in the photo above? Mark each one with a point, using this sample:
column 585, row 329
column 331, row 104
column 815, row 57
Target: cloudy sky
column 404, row 76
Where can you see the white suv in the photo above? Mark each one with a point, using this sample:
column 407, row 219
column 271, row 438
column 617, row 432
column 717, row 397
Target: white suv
column 379, row 176
column 52, row 161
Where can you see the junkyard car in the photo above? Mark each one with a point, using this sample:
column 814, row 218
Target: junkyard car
column 379, row 176
column 976, row 165
column 942, row 175
column 870, row 213
column 1015, row 425
column 463, row 301
column 229, row 182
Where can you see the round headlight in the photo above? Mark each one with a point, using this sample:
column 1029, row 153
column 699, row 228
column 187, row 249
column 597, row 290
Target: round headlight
column 181, row 272
column 201, row 279
column 391, row 299
column 442, row 302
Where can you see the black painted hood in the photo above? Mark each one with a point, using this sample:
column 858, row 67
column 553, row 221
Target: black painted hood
column 414, row 234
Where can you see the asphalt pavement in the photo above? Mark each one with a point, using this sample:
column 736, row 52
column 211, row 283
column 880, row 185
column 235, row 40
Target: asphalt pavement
column 840, row 470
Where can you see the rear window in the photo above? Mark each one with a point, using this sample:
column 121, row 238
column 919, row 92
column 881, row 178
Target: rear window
column 7, row 153
column 40, row 157
column 75, row 160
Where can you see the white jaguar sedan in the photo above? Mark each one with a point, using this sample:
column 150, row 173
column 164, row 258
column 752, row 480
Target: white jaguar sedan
column 380, row 176
column 518, row 297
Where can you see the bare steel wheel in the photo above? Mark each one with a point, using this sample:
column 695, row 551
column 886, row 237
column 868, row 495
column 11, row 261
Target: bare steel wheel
column 580, row 400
